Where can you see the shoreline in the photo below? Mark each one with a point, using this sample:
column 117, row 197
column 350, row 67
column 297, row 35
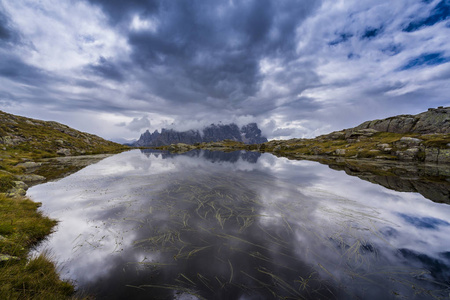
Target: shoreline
column 23, row 226
column 376, row 170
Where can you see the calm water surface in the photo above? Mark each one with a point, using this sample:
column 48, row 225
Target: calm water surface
column 211, row 225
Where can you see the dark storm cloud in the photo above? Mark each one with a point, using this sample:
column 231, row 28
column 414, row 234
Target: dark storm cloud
column 192, row 63
column 15, row 69
column 106, row 69
column 215, row 48
column 118, row 10
column 8, row 34
column 5, row 32
column 439, row 13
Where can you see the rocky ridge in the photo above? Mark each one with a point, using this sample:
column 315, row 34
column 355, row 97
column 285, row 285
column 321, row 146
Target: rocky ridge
column 248, row 134
column 435, row 120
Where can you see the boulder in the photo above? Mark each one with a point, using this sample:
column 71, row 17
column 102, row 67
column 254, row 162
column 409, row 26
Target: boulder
column 437, row 155
column 21, row 185
column 410, row 140
column 444, row 156
column 340, row 151
column 14, row 192
column 383, row 146
column 180, row 147
column 337, row 135
column 30, row 166
column 407, row 142
column 30, row 178
column 64, row 151
column 431, row 154
column 408, row 154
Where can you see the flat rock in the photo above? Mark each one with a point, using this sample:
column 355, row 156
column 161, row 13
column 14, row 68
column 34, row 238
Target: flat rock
column 30, row 178
column 29, row 165
column 410, row 140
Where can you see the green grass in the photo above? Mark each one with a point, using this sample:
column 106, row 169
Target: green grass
column 22, row 227
column 6, row 182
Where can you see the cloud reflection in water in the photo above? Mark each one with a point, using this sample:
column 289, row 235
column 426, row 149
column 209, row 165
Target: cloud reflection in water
column 241, row 227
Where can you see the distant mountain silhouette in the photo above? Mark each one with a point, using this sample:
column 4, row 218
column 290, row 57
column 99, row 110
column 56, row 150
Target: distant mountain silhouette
column 249, row 134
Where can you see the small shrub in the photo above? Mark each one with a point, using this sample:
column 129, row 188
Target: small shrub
column 6, row 182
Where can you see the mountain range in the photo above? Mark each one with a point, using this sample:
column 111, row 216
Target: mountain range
column 248, row 134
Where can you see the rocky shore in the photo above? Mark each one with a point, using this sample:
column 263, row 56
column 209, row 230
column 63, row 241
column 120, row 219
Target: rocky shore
column 424, row 137
column 408, row 153
column 53, row 168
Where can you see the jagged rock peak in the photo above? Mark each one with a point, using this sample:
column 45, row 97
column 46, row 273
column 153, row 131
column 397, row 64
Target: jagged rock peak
column 249, row 134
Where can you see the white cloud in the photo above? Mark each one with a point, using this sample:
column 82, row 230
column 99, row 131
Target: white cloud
column 64, row 34
column 137, row 124
column 333, row 79
column 138, row 23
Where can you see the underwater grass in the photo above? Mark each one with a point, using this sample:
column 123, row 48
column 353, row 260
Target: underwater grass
column 209, row 214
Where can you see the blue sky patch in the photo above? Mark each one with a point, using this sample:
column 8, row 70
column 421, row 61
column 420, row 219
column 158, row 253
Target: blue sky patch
column 440, row 13
column 343, row 37
column 392, row 49
column 426, row 59
column 371, row 33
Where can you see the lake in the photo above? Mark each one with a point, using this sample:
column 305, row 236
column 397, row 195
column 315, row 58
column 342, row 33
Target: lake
column 242, row 225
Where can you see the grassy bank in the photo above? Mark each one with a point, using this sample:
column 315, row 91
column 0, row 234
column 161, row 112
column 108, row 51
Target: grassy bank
column 344, row 144
column 21, row 228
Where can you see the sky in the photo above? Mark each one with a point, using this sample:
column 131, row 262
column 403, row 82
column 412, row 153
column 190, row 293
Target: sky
column 298, row 68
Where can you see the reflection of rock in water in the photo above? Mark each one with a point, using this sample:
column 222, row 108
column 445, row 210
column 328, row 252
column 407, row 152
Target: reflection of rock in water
column 430, row 180
column 436, row 191
column 213, row 156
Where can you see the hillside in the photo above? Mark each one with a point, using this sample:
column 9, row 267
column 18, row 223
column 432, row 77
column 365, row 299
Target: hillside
column 27, row 147
column 48, row 138
column 423, row 137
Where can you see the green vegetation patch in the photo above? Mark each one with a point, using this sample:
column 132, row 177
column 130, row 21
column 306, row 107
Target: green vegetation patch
column 6, row 182
column 22, row 227
column 436, row 140
column 35, row 279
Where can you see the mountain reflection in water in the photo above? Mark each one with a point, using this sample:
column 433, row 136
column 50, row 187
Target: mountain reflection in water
column 212, row 225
